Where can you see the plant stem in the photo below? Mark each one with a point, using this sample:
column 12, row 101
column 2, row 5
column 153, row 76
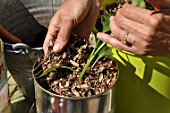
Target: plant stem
column 92, row 56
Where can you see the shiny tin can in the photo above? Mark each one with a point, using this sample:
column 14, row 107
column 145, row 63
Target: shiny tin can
column 47, row 102
column 5, row 106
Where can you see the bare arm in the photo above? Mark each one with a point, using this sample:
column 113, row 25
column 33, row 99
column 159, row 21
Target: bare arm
column 7, row 36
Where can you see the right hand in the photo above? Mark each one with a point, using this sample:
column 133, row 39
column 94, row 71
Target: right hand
column 77, row 15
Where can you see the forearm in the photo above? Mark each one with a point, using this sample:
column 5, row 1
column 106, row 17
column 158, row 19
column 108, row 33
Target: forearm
column 7, row 36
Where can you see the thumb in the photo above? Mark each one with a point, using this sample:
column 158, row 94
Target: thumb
column 63, row 35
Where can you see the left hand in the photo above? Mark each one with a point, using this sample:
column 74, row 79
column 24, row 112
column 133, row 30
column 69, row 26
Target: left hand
column 148, row 32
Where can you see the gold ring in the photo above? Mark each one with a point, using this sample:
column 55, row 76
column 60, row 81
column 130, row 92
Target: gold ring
column 125, row 40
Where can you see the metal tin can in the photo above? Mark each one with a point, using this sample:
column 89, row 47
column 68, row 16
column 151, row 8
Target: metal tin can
column 5, row 106
column 48, row 102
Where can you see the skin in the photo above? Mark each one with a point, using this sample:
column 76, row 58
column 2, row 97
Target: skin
column 148, row 31
column 73, row 16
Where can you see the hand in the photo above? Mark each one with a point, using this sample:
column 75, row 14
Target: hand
column 78, row 16
column 148, row 31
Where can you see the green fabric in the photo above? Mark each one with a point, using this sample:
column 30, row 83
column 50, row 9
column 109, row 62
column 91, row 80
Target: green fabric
column 143, row 84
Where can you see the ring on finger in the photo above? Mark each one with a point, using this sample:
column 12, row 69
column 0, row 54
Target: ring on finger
column 125, row 39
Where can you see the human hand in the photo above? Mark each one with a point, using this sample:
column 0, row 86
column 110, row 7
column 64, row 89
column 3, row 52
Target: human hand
column 148, row 31
column 78, row 16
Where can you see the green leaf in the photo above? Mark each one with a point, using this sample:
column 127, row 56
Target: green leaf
column 139, row 3
column 52, row 69
column 105, row 22
column 94, row 39
column 104, row 52
column 107, row 2
column 100, row 48
column 91, row 58
column 95, row 31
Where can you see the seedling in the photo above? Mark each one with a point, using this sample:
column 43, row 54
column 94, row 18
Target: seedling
column 101, row 49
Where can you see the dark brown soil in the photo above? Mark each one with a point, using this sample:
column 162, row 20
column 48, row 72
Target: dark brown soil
column 65, row 82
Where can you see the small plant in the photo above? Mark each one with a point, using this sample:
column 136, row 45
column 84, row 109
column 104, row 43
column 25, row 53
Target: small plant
column 101, row 49
column 69, row 73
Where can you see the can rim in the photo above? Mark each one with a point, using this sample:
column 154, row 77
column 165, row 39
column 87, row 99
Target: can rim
column 36, row 84
column 72, row 98
column 1, row 47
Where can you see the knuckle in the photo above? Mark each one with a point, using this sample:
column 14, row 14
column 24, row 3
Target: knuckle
column 146, row 49
column 143, row 49
column 117, row 35
column 126, row 8
column 62, row 38
column 69, row 19
column 119, row 19
column 145, row 45
column 155, row 20
column 148, row 36
column 143, row 53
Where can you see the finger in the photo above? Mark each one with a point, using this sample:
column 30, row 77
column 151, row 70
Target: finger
column 120, row 34
column 51, row 34
column 63, row 35
column 133, row 27
column 116, row 30
column 132, row 13
column 110, row 40
column 85, row 26
column 134, row 40
column 119, row 45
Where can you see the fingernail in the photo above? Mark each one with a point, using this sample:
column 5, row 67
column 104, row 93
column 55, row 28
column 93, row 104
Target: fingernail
column 111, row 18
column 56, row 47
column 99, row 36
